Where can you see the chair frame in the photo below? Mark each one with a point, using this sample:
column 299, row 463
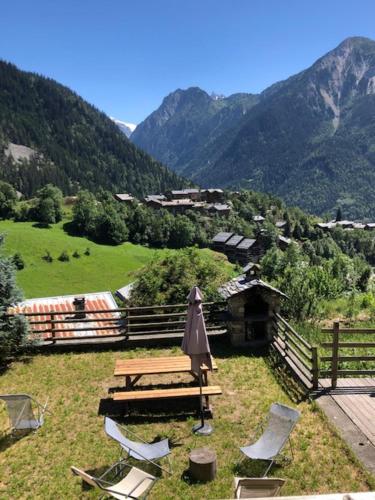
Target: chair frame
column 127, row 454
column 42, row 409
column 261, row 427
column 105, row 486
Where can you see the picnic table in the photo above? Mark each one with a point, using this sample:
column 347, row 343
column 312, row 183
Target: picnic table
column 134, row 369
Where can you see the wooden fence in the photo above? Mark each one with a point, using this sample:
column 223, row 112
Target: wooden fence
column 337, row 357
column 155, row 320
column 297, row 353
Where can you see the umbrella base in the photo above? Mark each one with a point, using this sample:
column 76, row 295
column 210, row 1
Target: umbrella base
column 203, row 430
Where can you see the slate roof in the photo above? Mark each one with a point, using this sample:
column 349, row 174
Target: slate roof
column 241, row 284
column 246, row 243
column 221, row 237
column 124, row 197
column 234, row 240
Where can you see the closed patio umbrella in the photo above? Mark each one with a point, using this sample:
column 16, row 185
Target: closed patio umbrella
column 195, row 344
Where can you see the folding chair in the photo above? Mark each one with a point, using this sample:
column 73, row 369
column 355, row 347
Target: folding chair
column 136, row 484
column 281, row 422
column 21, row 414
column 149, row 452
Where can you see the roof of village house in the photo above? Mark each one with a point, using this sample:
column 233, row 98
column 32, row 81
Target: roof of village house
column 246, row 243
column 124, row 197
column 370, row 225
column 63, row 305
column 212, row 190
column 155, row 197
column 241, row 284
column 184, row 191
column 219, row 206
column 125, row 292
column 234, row 240
column 258, row 218
column 285, row 240
column 280, row 223
column 221, row 237
column 249, row 266
column 175, row 203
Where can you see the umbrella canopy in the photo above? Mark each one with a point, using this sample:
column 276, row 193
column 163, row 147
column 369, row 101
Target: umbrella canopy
column 195, row 342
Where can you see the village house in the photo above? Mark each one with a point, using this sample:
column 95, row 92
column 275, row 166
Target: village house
column 124, row 197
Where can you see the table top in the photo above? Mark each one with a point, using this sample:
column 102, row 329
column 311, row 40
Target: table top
column 148, row 366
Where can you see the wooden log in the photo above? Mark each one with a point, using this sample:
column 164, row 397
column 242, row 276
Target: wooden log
column 202, row 464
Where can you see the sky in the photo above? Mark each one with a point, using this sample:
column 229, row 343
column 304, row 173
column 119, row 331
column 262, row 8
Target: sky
column 125, row 56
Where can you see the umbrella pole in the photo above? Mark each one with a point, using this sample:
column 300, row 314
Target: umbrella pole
column 202, row 428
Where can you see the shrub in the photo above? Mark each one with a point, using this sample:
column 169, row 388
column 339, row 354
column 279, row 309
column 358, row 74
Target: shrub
column 76, row 255
column 64, row 256
column 87, row 251
column 18, row 261
column 47, row 257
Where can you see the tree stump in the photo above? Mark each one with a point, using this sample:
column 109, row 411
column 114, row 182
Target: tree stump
column 202, row 464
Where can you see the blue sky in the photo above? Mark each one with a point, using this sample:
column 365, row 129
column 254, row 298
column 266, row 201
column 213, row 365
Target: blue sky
column 125, row 56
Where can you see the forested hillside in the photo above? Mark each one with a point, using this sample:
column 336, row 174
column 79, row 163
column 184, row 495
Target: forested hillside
column 74, row 144
column 309, row 139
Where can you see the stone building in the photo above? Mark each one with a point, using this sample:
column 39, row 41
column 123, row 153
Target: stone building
column 252, row 304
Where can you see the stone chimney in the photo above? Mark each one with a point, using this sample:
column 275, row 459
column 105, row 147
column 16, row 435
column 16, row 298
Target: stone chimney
column 252, row 271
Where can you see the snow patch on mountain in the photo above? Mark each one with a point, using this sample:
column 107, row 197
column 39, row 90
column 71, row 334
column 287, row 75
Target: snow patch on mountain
column 125, row 127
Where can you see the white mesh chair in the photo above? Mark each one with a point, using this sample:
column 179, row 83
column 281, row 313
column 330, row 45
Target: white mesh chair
column 254, row 487
column 149, row 452
column 281, row 422
column 21, row 412
column 136, row 484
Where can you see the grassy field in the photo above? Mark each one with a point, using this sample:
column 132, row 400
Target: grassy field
column 38, row 465
column 106, row 268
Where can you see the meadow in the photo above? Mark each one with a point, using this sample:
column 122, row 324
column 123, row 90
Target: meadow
column 38, row 465
column 106, row 268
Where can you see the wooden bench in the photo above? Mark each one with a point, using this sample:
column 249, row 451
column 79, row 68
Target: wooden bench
column 157, row 394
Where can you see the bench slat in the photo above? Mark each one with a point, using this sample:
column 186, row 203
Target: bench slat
column 148, row 366
column 182, row 392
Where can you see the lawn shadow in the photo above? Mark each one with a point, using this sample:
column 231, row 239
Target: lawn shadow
column 8, row 440
column 246, row 467
column 41, row 225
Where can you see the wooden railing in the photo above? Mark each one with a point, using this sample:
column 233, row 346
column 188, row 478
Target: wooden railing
column 336, row 357
column 151, row 320
column 298, row 354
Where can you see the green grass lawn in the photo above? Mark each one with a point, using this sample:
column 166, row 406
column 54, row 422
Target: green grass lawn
column 106, row 268
column 38, row 465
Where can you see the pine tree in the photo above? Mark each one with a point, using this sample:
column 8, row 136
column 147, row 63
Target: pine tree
column 13, row 330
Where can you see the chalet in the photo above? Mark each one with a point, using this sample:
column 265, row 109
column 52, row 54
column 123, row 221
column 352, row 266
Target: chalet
column 259, row 219
column 218, row 241
column 231, row 246
column 212, row 195
column 370, row 226
column 218, row 208
column 248, row 249
column 124, row 197
column 280, row 224
column 181, row 194
column 283, row 242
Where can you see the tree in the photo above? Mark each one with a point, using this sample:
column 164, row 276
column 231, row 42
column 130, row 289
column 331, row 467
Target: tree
column 182, row 234
column 111, row 227
column 85, row 213
column 168, row 279
column 8, row 200
column 338, row 215
column 13, row 331
column 48, row 207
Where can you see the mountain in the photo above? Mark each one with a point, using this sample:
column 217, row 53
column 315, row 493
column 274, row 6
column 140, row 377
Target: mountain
column 185, row 127
column 50, row 134
column 125, row 127
column 309, row 139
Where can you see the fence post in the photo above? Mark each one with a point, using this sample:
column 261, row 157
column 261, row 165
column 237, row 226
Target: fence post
column 52, row 318
column 315, row 367
column 335, row 354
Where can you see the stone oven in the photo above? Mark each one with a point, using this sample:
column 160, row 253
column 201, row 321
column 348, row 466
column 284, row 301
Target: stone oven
column 252, row 304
